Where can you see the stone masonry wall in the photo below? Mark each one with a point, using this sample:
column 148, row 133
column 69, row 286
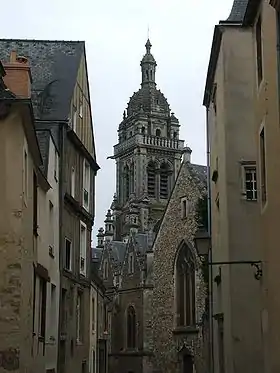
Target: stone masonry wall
column 173, row 230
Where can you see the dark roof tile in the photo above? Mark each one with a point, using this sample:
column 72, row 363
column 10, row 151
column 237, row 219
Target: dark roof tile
column 238, row 11
column 54, row 66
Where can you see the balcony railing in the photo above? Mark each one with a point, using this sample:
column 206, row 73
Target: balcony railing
column 148, row 140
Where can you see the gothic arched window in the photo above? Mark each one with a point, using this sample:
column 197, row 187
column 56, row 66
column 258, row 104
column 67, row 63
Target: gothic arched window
column 131, row 178
column 151, row 176
column 131, row 327
column 158, row 133
column 151, row 72
column 143, row 130
column 147, row 74
column 164, row 174
column 126, row 183
column 185, row 287
column 175, row 135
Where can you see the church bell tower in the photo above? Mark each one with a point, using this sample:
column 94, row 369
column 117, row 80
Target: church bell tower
column 148, row 156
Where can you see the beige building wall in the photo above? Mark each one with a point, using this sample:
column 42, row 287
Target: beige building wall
column 52, row 249
column 235, row 220
column 16, row 244
column 93, row 327
column 267, row 117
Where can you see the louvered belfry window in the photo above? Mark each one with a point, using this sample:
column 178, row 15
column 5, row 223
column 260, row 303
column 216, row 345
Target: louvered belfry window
column 151, row 174
column 164, row 172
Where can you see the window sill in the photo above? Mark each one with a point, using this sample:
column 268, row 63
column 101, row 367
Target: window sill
column 186, row 330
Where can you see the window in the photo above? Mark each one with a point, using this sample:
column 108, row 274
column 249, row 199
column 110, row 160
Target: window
column 63, row 311
column 263, row 166
column 105, row 269
column 105, row 316
column 92, row 314
column 184, row 208
column 93, row 370
column 73, row 178
column 81, row 109
column 42, row 307
column 84, row 367
column 86, row 191
column 143, row 130
column 68, row 254
column 151, row 175
column 131, row 327
column 79, row 321
column 158, row 132
column 74, row 120
column 259, row 49
column 175, row 135
column 220, row 321
column 147, row 74
column 25, row 176
column 56, row 165
column 164, row 171
column 130, row 263
column 126, row 183
column 185, row 287
column 131, row 179
column 51, row 227
column 83, row 248
column 35, row 205
column 187, row 363
column 52, row 316
column 250, row 180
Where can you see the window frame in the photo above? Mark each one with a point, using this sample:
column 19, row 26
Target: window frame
column 79, row 317
column 248, row 167
column 66, row 239
column 86, row 184
column 263, row 168
column 83, row 250
column 259, row 49
column 131, row 328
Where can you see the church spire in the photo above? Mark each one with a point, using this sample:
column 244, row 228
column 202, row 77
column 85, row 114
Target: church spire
column 148, row 66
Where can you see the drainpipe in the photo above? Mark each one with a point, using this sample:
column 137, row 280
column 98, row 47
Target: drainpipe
column 210, row 285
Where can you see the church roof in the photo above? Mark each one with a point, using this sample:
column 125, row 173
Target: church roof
column 147, row 98
column 54, row 66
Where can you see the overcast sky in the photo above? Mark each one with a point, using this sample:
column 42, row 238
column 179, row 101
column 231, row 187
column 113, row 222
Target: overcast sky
column 115, row 32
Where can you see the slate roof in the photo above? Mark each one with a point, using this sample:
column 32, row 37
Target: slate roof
column 145, row 98
column 54, row 66
column 238, row 11
column 43, row 137
column 198, row 171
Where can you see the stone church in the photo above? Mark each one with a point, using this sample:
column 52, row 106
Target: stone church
column 146, row 255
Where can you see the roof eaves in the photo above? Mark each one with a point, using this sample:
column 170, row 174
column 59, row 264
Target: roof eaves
column 214, row 55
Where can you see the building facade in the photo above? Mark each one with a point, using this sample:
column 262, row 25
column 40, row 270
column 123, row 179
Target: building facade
column 61, row 105
column 242, row 103
column 148, row 163
column 21, row 164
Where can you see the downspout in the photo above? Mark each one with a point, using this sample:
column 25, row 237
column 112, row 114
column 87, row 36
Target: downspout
column 210, row 284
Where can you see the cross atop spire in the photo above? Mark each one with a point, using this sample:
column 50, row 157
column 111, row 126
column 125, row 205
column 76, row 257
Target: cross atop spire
column 148, row 46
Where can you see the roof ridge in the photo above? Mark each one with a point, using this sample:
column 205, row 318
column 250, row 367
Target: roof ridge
column 44, row 40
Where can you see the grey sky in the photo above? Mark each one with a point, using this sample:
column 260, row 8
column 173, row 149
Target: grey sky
column 115, row 32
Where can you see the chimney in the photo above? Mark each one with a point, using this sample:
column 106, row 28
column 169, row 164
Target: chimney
column 187, row 154
column 18, row 77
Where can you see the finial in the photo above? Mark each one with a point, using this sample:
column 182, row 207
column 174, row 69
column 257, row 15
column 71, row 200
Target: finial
column 124, row 115
column 148, row 46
